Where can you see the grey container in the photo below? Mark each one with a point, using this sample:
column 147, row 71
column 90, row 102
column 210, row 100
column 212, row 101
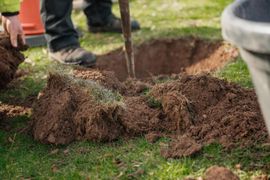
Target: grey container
column 246, row 23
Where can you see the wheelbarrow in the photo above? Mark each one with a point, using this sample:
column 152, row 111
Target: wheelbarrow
column 246, row 23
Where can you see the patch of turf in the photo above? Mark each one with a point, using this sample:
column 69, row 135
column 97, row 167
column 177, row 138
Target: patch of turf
column 236, row 72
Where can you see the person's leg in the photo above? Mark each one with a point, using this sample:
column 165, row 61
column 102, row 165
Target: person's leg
column 56, row 16
column 61, row 36
column 97, row 12
column 101, row 19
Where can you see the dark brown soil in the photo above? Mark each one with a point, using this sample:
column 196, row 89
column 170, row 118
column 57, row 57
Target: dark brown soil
column 198, row 110
column 194, row 110
column 67, row 111
column 153, row 137
column 170, row 56
column 10, row 60
column 220, row 173
column 211, row 110
column 181, row 146
column 9, row 111
column 139, row 118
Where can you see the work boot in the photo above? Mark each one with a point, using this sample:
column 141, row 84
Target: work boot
column 113, row 25
column 74, row 55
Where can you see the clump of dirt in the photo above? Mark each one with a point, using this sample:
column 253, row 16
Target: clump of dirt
column 69, row 109
column 153, row 137
column 221, row 173
column 10, row 60
column 170, row 56
column 10, row 111
column 134, row 87
column 181, row 146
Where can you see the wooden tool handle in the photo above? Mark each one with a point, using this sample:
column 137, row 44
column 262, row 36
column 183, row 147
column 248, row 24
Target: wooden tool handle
column 126, row 28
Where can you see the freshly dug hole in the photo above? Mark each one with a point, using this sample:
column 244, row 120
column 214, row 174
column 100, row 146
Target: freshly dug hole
column 70, row 109
column 10, row 58
column 170, row 56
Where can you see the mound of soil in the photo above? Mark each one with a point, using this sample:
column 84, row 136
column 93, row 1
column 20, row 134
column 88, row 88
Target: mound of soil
column 10, row 60
column 208, row 110
column 196, row 110
column 66, row 110
column 170, row 56
column 221, row 173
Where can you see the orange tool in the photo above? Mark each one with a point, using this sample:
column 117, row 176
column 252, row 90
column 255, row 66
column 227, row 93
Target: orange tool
column 31, row 22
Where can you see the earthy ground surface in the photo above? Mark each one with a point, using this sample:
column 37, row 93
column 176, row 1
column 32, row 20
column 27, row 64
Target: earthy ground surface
column 10, row 60
column 193, row 110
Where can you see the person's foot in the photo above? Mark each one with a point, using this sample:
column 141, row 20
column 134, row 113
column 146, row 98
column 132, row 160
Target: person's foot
column 113, row 25
column 74, row 56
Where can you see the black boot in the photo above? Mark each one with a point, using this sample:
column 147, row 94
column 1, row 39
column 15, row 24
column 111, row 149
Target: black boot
column 101, row 19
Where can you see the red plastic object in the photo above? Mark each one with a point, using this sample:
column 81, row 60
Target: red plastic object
column 30, row 17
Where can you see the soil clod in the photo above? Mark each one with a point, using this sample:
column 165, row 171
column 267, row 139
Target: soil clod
column 153, row 137
column 10, row 60
column 69, row 110
column 221, row 173
column 181, row 146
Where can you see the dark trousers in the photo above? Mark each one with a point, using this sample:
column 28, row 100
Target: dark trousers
column 56, row 16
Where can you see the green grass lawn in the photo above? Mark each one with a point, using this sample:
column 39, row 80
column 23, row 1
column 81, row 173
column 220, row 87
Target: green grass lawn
column 22, row 157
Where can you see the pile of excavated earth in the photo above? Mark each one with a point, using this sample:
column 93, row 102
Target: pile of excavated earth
column 193, row 110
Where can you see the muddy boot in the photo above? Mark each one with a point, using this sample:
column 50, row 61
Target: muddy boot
column 74, row 56
column 113, row 25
